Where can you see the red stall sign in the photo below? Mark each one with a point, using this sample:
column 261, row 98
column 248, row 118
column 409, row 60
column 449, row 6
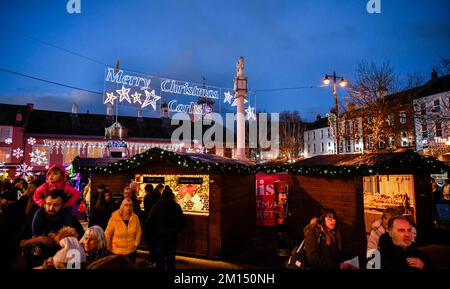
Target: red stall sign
column 265, row 197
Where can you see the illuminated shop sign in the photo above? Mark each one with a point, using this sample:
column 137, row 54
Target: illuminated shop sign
column 190, row 181
column 153, row 180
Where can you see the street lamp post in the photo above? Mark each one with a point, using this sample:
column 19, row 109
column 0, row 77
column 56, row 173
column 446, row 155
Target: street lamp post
column 342, row 83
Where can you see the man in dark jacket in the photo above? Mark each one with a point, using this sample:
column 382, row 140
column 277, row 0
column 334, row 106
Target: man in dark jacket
column 166, row 223
column 398, row 251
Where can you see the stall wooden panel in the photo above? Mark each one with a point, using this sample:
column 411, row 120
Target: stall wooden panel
column 238, row 211
column 195, row 238
column 423, row 214
column 308, row 194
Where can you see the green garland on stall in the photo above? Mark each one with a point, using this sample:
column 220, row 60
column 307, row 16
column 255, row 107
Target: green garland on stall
column 401, row 163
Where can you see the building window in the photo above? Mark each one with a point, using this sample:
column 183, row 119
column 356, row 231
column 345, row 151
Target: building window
column 314, row 135
column 322, row 149
column 69, row 154
column 348, row 146
column 40, row 155
column 95, row 152
column 5, row 155
column 402, row 117
column 309, row 149
column 391, row 119
column 369, row 143
column 448, row 102
column 423, row 108
column 5, row 132
column 329, row 129
column 438, row 126
column 391, row 141
column 369, row 120
column 436, row 105
column 329, row 144
column 314, row 148
column 381, row 144
column 424, row 130
column 404, row 138
column 321, row 133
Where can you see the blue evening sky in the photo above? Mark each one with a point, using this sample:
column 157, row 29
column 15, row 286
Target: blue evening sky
column 284, row 43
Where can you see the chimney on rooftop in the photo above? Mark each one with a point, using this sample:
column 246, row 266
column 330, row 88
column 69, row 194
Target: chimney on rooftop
column 30, row 107
column 19, row 117
column 434, row 75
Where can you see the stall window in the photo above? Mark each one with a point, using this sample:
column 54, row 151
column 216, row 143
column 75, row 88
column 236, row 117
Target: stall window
column 5, row 155
column 193, row 197
column 69, row 154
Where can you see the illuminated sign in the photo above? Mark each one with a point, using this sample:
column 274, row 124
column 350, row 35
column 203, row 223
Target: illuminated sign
column 182, row 180
column 148, row 91
column 153, row 180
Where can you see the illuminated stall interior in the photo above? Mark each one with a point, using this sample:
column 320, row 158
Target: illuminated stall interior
column 191, row 191
column 388, row 191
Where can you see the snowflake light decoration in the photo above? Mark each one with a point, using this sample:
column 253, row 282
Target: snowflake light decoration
column 8, row 140
column 18, row 153
column 24, row 171
column 31, row 140
column 38, row 157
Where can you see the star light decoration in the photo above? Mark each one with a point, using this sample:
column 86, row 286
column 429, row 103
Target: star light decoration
column 228, row 97
column 38, row 157
column 24, row 171
column 137, row 97
column 110, row 97
column 150, row 98
column 123, row 94
column 31, row 141
column 250, row 113
column 8, row 140
column 17, row 153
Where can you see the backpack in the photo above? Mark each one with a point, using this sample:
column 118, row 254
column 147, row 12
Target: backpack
column 297, row 259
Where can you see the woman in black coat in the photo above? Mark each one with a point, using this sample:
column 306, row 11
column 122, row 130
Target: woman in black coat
column 103, row 209
column 322, row 244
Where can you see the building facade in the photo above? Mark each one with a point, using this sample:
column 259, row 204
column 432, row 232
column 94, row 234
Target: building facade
column 432, row 118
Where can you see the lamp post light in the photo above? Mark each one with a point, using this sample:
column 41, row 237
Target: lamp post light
column 342, row 83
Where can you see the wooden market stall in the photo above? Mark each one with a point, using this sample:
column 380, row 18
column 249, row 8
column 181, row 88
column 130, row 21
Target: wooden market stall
column 217, row 194
column 359, row 187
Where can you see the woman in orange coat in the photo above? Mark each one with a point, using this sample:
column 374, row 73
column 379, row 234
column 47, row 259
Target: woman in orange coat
column 123, row 233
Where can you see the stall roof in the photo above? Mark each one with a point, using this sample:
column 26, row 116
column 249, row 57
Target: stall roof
column 370, row 164
column 326, row 165
column 195, row 162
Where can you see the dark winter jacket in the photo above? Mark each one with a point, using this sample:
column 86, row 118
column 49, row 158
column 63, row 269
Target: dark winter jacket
column 394, row 257
column 319, row 254
column 166, row 222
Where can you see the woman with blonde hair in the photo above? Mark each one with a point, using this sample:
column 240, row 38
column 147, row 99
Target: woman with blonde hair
column 123, row 233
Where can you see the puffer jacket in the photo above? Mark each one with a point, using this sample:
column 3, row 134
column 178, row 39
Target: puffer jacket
column 319, row 255
column 123, row 239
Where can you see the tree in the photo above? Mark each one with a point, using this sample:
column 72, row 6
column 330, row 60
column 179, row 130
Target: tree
column 442, row 65
column 291, row 134
column 368, row 92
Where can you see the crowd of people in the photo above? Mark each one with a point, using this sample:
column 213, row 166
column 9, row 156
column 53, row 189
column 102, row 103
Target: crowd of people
column 39, row 229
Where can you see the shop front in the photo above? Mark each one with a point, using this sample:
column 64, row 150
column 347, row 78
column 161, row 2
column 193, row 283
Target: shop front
column 217, row 194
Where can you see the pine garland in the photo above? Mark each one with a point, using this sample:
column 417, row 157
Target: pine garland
column 406, row 162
